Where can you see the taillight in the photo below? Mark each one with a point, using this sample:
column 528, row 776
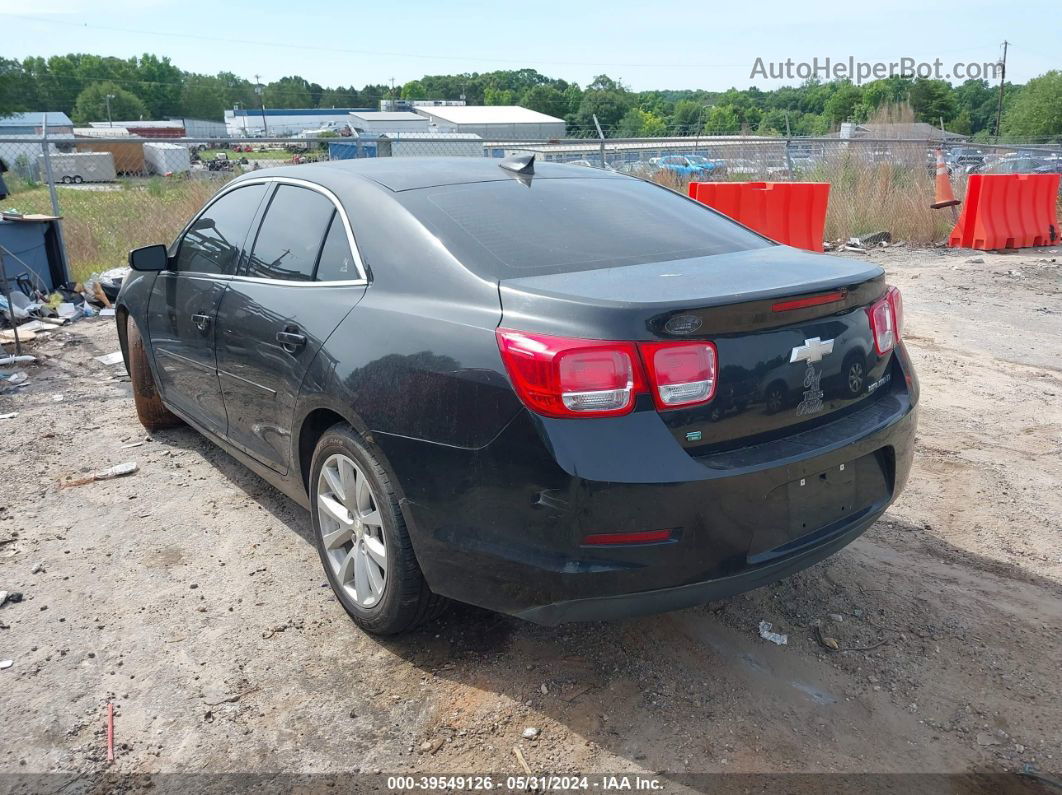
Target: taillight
column 886, row 321
column 897, row 309
column 562, row 377
column 682, row 373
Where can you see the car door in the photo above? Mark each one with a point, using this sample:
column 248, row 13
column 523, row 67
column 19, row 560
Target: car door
column 184, row 302
column 301, row 278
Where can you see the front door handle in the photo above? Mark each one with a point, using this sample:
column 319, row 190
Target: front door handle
column 290, row 340
column 202, row 322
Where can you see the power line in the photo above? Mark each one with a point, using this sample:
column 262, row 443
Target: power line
column 377, row 53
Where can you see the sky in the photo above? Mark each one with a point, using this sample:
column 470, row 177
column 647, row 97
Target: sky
column 666, row 44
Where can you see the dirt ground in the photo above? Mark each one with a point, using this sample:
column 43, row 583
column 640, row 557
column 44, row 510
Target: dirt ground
column 189, row 594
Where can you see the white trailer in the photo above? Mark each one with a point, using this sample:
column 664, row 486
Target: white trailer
column 163, row 158
column 78, row 167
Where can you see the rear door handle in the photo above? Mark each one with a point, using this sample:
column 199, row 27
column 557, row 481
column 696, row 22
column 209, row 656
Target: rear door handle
column 290, row 340
column 202, row 322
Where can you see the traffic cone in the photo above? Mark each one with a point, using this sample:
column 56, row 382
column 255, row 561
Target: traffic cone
column 945, row 197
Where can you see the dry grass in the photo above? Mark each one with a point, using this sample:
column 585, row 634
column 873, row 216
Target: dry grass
column 101, row 226
column 882, row 197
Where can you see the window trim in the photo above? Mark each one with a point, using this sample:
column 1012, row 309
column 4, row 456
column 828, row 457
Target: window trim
column 363, row 279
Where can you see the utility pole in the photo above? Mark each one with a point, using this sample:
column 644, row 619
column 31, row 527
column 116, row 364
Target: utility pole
column 261, row 99
column 1002, row 79
column 108, row 99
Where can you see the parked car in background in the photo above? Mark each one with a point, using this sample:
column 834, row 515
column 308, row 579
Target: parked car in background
column 738, row 166
column 1025, row 164
column 680, row 164
column 639, row 168
column 541, row 389
column 964, row 158
column 707, row 164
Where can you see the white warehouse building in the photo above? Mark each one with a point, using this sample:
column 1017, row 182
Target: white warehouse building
column 374, row 121
column 493, row 122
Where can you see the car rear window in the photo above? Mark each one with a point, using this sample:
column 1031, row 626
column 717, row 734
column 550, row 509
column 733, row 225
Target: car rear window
column 505, row 229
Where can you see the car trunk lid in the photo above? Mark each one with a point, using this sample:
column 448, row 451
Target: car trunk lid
column 790, row 327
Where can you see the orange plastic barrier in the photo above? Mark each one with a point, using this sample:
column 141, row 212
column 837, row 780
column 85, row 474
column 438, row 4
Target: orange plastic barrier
column 1008, row 211
column 793, row 213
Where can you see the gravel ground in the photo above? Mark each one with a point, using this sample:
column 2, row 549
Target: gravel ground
column 189, row 594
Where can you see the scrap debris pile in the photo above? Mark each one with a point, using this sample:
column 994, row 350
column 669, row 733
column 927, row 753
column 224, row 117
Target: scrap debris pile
column 28, row 312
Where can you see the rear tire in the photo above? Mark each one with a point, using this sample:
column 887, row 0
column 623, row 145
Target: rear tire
column 398, row 598
column 150, row 410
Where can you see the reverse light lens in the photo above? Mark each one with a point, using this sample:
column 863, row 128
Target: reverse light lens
column 684, row 373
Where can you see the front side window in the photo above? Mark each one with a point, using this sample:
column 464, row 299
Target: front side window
column 212, row 243
column 291, row 234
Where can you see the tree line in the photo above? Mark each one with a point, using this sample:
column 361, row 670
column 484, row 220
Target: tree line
column 150, row 87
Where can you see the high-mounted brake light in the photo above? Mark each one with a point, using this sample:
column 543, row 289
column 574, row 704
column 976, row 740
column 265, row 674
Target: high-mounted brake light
column 886, row 321
column 563, row 377
column 683, row 373
column 812, row 300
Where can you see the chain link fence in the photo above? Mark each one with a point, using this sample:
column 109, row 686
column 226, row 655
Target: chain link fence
column 117, row 193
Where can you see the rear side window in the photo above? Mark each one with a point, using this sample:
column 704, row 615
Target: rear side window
column 504, row 229
column 291, row 234
column 337, row 260
column 212, row 243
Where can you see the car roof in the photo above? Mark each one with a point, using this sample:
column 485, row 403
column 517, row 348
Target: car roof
column 411, row 173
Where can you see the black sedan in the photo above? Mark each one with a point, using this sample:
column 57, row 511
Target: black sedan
column 552, row 391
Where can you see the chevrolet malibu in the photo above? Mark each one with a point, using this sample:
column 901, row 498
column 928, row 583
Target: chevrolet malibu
column 556, row 392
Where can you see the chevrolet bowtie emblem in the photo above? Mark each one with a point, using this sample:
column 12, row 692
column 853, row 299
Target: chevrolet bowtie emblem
column 811, row 351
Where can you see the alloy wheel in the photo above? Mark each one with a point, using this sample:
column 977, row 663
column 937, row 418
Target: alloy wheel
column 352, row 530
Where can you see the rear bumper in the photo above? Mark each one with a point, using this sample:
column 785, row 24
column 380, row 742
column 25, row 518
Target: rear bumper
column 603, row 608
column 501, row 526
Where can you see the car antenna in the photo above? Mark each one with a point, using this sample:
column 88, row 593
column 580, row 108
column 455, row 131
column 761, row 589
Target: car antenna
column 519, row 164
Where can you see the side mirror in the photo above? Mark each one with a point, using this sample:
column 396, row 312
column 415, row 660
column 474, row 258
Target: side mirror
column 149, row 258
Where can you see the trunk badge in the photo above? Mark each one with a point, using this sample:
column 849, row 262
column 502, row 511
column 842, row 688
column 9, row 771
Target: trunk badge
column 682, row 324
column 811, row 351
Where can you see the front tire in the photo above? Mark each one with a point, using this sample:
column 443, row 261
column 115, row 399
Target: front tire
column 362, row 540
column 151, row 412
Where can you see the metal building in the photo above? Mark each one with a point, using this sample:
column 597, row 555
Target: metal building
column 494, row 122
column 370, row 121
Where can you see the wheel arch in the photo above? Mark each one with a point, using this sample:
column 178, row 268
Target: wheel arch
column 314, row 424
